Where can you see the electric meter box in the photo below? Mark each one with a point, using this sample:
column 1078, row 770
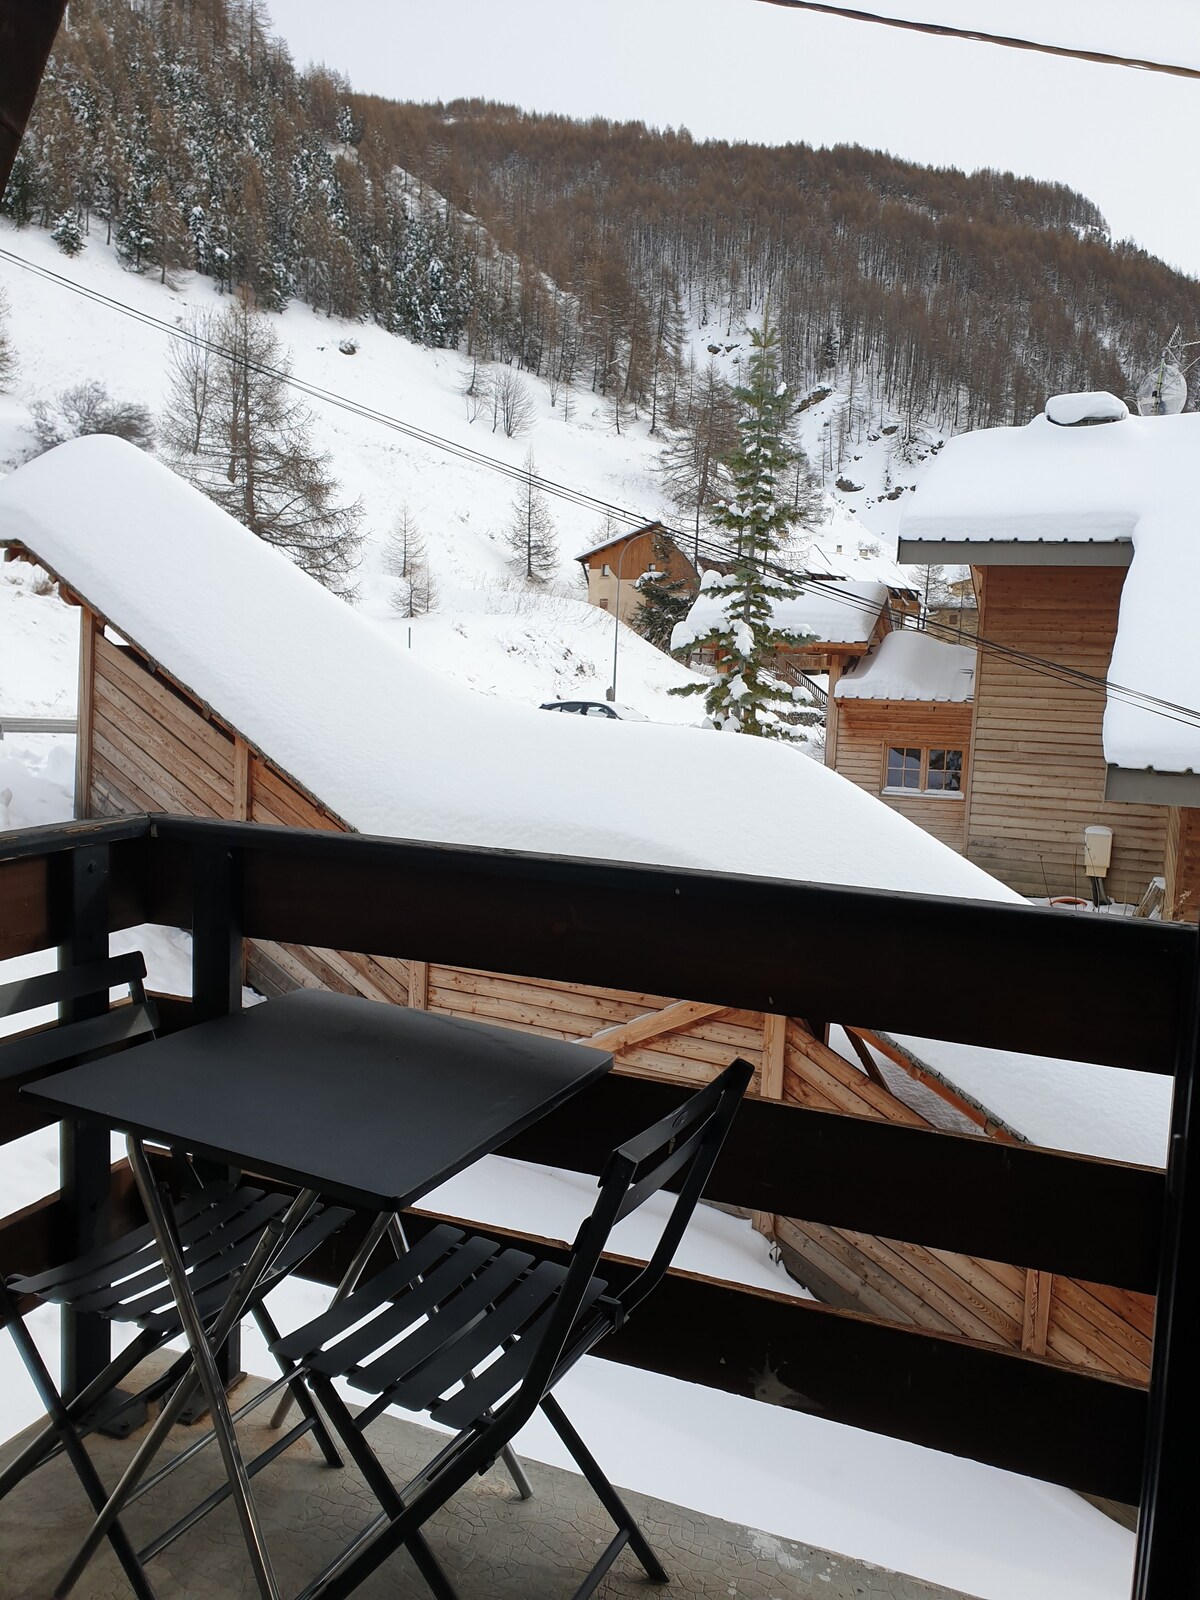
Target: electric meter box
column 1097, row 850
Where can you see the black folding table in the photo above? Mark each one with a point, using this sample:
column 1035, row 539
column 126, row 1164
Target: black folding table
column 345, row 1098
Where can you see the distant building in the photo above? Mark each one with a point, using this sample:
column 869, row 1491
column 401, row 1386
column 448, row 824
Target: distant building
column 1081, row 538
column 617, row 563
column 899, row 726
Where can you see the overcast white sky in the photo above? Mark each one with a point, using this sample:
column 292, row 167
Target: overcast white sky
column 744, row 69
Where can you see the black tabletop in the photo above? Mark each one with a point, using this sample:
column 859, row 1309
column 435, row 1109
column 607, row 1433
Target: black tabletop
column 368, row 1103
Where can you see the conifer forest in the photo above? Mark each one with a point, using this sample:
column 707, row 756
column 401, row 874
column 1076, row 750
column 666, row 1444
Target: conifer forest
column 580, row 251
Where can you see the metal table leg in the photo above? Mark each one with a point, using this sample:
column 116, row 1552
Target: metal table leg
column 274, row 1237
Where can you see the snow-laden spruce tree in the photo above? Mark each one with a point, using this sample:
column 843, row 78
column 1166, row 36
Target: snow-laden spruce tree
column 67, row 233
column 737, row 614
column 530, row 532
column 234, row 430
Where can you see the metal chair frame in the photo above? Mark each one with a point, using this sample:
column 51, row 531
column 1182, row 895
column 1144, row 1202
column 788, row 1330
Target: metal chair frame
column 217, row 1227
column 455, row 1300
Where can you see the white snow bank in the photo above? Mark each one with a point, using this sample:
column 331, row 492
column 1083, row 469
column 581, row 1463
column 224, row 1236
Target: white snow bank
column 1069, row 410
column 907, row 665
column 336, row 701
column 394, row 749
column 843, row 612
column 1134, row 482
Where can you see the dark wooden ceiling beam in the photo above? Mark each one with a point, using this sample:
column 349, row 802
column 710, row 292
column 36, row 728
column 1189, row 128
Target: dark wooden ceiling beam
column 27, row 32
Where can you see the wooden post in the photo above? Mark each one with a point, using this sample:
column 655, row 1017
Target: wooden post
column 218, row 959
column 774, row 1048
column 88, row 628
column 831, row 712
column 241, row 779
column 84, row 1159
column 418, row 985
column 1035, row 1323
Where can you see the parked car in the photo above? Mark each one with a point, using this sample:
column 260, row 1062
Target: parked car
column 596, row 708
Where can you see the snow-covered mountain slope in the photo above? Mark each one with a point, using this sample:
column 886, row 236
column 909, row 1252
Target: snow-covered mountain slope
column 488, row 631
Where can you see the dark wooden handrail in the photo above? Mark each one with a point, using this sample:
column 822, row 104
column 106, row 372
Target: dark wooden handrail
column 1005, row 976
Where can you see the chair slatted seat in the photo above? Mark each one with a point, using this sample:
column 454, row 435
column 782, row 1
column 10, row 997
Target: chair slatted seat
column 476, row 1334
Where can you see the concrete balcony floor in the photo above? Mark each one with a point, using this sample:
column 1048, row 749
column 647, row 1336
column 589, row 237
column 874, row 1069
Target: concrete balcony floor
column 493, row 1546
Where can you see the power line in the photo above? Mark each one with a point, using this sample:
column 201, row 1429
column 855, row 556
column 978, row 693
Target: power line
column 1058, row 671
column 980, row 36
column 330, row 397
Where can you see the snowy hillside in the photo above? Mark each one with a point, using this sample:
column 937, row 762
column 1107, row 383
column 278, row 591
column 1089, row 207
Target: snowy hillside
column 488, row 631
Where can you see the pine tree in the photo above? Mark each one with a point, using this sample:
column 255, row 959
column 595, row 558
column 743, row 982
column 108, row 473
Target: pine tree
column 755, row 516
column 67, row 234
column 406, row 558
column 235, row 431
column 692, row 455
column 663, row 600
column 8, row 355
column 530, row 531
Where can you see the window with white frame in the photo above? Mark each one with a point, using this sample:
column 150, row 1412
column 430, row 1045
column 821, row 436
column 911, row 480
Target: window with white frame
column 913, row 769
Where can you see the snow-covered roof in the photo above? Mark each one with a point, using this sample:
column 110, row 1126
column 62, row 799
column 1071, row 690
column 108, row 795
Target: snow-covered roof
column 1132, row 481
column 838, row 562
column 623, row 537
column 908, row 665
column 837, row 612
column 395, row 749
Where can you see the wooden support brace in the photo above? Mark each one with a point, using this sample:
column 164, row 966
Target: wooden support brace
column 241, row 779
column 870, row 1065
column 651, row 1025
column 774, row 1049
column 973, row 1113
column 418, row 985
column 1035, row 1323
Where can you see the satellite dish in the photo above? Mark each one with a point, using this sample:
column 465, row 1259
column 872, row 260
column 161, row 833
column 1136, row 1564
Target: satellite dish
column 1163, row 391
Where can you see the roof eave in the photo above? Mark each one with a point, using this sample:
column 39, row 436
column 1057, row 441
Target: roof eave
column 1146, row 786
column 1016, row 552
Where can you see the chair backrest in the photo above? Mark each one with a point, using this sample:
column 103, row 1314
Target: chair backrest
column 680, row 1150
column 43, row 1050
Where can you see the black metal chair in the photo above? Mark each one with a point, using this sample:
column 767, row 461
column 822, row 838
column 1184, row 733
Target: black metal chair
column 477, row 1334
column 219, row 1225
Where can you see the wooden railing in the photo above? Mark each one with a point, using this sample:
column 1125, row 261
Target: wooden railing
column 1118, row 993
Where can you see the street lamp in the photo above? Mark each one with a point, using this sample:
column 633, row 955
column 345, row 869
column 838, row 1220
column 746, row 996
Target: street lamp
column 652, row 572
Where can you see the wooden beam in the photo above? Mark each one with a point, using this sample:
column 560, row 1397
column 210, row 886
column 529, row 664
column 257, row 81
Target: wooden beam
column 241, row 779
column 930, row 1080
column 870, row 1065
column 619, row 926
column 774, row 1055
column 938, row 1390
column 652, row 1025
column 83, row 727
column 27, row 31
column 1035, row 1323
column 1088, row 1219
column 418, row 985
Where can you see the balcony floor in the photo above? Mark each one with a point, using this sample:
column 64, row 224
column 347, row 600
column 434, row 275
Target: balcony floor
column 491, row 1544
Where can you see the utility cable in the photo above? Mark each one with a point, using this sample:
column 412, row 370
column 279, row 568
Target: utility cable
column 980, row 36
column 804, row 581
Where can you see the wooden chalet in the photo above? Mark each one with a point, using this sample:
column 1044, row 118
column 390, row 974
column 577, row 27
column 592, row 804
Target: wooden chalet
column 613, row 567
column 899, row 725
column 151, row 741
column 1080, row 540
